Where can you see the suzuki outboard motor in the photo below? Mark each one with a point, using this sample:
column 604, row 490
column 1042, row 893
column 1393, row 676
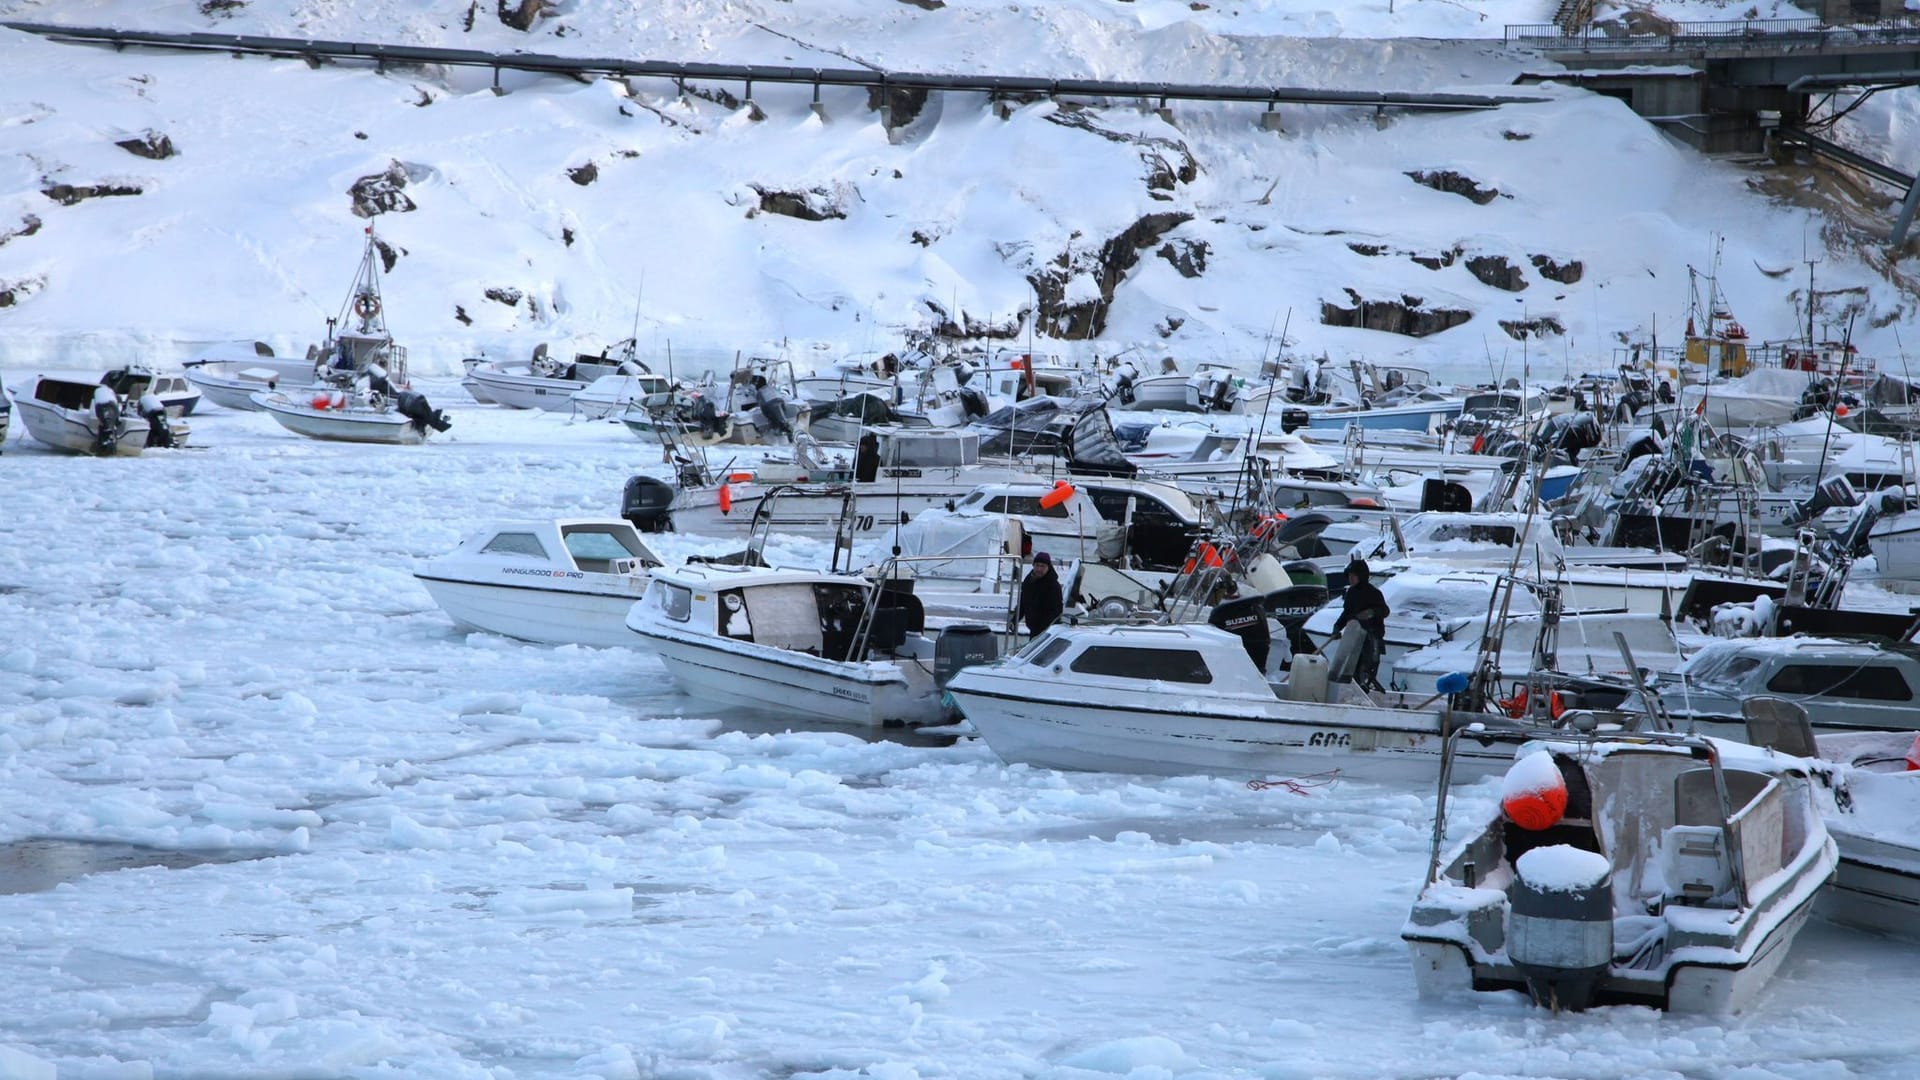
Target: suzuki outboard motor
column 646, row 502
column 1246, row 618
column 414, row 407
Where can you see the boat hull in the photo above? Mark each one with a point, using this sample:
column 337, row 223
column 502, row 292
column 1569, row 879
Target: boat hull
column 75, row 431
column 552, row 616
column 1426, row 417
column 231, row 384
column 1256, row 739
column 541, row 392
column 879, row 505
column 869, row 694
column 355, row 424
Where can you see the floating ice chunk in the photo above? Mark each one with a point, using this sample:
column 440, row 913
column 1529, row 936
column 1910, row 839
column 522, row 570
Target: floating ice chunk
column 20, row 1065
column 1122, row 1056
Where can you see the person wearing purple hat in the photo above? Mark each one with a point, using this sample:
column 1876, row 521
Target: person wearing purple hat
column 1040, row 600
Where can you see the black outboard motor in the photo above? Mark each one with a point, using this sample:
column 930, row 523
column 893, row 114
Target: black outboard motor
column 1445, row 496
column 1560, row 924
column 414, row 407
column 973, row 402
column 646, row 502
column 706, row 417
column 159, row 427
column 1246, row 618
column 106, row 415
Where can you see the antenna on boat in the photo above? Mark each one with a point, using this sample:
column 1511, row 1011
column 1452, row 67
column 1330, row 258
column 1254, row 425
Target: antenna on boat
column 1272, row 377
column 637, row 296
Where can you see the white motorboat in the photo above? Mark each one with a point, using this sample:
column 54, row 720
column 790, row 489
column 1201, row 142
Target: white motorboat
column 359, row 392
column 563, row 582
column 1582, row 647
column 902, row 473
column 1869, row 794
column 1844, row 686
column 805, row 643
column 1659, row 870
column 6, row 412
column 95, row 418
column 542, row 382
column 1180, row 699
column 230, row 374
column 609, row 396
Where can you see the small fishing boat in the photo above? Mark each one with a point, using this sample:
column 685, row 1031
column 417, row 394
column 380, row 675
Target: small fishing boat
column 1844, row 685
column 806, row 643
column 359, row 392
column 562, row 582
column 542, row 382
column 1655, row 869
column 229, row 374
column 100, row 419
column 1193, row 699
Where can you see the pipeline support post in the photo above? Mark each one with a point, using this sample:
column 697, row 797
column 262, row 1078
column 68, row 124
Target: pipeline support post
column 817, row 108
column 754, row 112
column 1270, row 120
column 1165, row 114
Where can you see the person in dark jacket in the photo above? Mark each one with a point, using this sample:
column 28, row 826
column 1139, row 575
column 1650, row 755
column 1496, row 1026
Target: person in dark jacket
column 1363, row 603
column 1040, row 600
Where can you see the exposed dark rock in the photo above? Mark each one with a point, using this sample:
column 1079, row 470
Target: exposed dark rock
column 1367, row 249
column 566, row 236
column 1402, row 316
column 1565, row 273
column 1086, row 319
column 522, row 14
column 814, row 204
column 381, row 193
column 361, row 135
column 1516, row 136
column 29, row 224
column 68, row 194
column 1436, row 262
column 12, row 292
column 1187, row 256
column 152, row 145
column 923, row 238
column 719, row 95
column 425, row 99
column 961, row 326
column 1168, row 161
column 505, row 294
column 584, row 174
column 1521, row 329
column 1449, row 181
column 223, row 8
column 466, row 21
column 1169, row 325
column 902, row 103
column 388, row 256
column 460, row 315
column 1496, row 271
column 926, row 5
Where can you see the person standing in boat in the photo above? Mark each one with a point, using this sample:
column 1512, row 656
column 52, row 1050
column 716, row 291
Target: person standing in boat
column 1364, row 604
column 1040, row 600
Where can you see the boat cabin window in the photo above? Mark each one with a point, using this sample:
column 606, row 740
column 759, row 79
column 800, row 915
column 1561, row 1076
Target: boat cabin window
column 1165, row 665
column 1867, row 681
column 1146, row 511
column 1728, row 672
column 515, row 543
column 1502, row 535
column 1049, row 651
column 1026, row 505
column 594, row 549
column 673, row 600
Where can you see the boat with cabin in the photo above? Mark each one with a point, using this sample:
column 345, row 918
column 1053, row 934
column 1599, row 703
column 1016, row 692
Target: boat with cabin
column 568, row 581
column 1647, row 869
column 119, row 416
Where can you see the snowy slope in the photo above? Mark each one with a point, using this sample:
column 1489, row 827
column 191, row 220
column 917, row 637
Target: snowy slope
column 247, row 231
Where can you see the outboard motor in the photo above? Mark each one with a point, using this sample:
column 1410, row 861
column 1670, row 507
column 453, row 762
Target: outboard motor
column 973, row 402
column 645, row 502
column 866, row 460
column 1291, row 607
column 706, row 417
column 414, row 407
column 1560, row 924
column 1246, row 618
column 962, row 646
column 159, row 427
column 1294, row 419
column 106, row 416
column 1444, row 496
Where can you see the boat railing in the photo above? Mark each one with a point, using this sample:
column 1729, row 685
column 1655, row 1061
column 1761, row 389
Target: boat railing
column 889, row 571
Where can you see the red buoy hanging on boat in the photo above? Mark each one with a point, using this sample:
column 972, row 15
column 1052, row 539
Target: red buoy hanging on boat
column 726, row 499
column 1062, row 491
column 1534, row 794
column 1913, row 755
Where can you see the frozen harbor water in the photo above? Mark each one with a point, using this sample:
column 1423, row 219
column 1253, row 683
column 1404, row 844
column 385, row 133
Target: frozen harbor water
column 428, row 853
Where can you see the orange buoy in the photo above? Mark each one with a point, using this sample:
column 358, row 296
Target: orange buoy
column 726, row 499
column 1913, row 755
column 1534, row 794
column 740, row 478
column 1062, row 491
column 321, row 401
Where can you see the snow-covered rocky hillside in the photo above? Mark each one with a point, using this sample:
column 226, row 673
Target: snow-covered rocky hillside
column 565, row 210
